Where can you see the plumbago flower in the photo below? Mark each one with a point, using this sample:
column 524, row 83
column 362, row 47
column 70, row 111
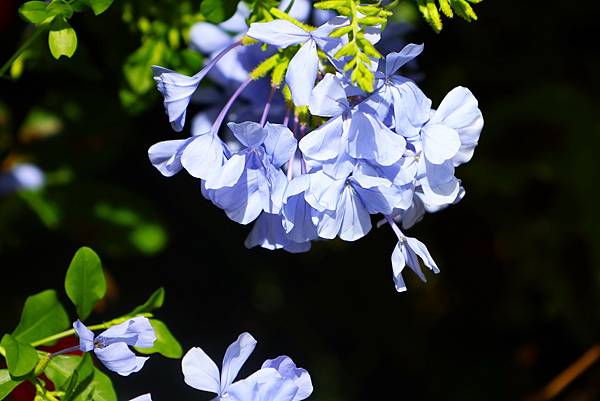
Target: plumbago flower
column 338, row 155
column 278, row 379
column 112, row 345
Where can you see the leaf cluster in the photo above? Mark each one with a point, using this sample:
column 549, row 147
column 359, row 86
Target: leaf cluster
column 54, row 17
column 44, row 320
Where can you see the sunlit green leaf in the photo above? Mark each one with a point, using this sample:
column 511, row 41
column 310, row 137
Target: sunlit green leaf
column 101, row 389
column 34, row 11
column 62, row 39
column 166, row 344
column 60, row 9
column 42, row 316
column 85, row 283
column 79, row 381
column 217, row 11
column 21, row 358
column 7, row 384
column 60, row 368
column 155, row 301
column 98, row 6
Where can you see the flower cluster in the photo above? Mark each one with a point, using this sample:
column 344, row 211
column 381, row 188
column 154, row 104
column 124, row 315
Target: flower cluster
column 339, row 154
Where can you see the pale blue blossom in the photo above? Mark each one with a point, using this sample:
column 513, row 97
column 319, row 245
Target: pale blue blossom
column 251, row 181
column 112, row 345
column 302, row 70
column 277, row 380
column 24, row 176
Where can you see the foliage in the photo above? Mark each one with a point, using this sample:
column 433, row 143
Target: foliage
column 44, row 321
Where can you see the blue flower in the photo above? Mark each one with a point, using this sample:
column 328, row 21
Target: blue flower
column 251, row 181
column 299, row 218
column 199, row 154
column 288, row 370
column 351, row 133
column 346, row 203
column 111, row 346
column 268, row 233
column 302, row 70
column 405, row 253
column 279, row 380
column 21, row 176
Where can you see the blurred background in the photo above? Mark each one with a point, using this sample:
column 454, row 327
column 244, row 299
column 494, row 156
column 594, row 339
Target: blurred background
column 517, row 300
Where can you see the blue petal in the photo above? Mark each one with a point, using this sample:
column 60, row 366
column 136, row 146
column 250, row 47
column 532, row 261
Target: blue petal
column 394, row 61
column 440, row 143
column 420, row 249
column 328, row 98
column 136, row 332
column 278, row 33
column 268, row 233
column 440, row 186
column 177, row 90
column 288, row 370
column 459, row 110
column 280, row 143
column 86, row 336
column 249, row 133
column 371, row 140
column 398, row 263
column 350, row 220
column 244, row 201
column 120, row 359
column 411, row 107
column 264, row 385
column 302, row 73
column 324, row 142
column 235, row 356
column 145, row 397
column 324, row 192
column 200, row 372
column 203, row 155
column 166, row 156
column 229, row 174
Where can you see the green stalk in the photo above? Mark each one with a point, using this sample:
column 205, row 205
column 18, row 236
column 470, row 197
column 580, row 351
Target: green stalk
column 36, row 33
column 101, row 326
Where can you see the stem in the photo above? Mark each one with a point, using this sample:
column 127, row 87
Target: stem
column 286, row 119
column 101, row 326
column 394, row 226
column 65, row 351
column 217, row 124
column 36, row 33
column 219, row 56
column 263, row 118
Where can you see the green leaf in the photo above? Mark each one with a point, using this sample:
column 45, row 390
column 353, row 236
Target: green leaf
column 21, row 358
column 166, row 344
column 42, row 316
column 98, row 6
column 79, row 381
column 101, row 389
column 155, row 301
column 61, row 9
column 217, row 11
column 61, row 368
column 7, row 384
column 34, row 11
column 85, row 283
column 137, row 68
column 62, row 39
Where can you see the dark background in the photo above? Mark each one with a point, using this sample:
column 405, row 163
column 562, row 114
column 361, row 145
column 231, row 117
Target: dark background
column 517, row 299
